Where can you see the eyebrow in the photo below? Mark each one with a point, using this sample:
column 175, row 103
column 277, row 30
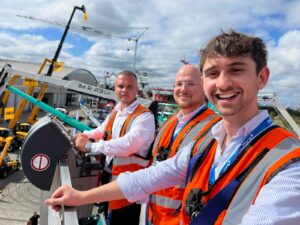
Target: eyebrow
column 237, row 63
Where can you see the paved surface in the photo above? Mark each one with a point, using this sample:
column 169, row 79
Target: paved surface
column 18, row 200
column 18, row 197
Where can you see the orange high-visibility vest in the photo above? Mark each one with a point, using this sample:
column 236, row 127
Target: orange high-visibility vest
column 164, row 203
column 123, row 164
column 281, row 148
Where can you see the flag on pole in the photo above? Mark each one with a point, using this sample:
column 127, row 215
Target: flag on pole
column 58, row 66
column 85, row 16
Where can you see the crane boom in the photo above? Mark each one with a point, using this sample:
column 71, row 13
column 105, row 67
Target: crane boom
column 8, row 73
column 71, row 85
column 271, row 99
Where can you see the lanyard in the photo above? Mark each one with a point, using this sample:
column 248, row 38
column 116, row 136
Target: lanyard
column 163, row 153
column 261, row 127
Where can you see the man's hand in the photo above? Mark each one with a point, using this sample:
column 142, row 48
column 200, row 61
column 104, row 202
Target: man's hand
column 80, row 140
column 64, row 196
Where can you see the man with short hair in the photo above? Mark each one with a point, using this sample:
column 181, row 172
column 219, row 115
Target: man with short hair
column 245, row 171
column 192, row 120
column 125, row 137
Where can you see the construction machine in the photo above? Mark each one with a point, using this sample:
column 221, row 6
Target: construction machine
column 7, row 136
column 20, row 131
column 6, row 164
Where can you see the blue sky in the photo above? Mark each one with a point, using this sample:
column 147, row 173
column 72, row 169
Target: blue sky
column 177, row 30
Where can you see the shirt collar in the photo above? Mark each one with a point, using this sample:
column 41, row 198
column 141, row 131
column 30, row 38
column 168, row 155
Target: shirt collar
column 218, row 130
column 185, row 118
column 129, row 109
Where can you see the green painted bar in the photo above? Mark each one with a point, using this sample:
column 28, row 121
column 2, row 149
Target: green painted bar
column 65, row 118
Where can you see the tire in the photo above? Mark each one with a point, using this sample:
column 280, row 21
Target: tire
column 11, row 147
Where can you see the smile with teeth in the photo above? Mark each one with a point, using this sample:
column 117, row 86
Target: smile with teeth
column 226, row 95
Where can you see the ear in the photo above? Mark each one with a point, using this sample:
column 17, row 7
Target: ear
column 263, row 77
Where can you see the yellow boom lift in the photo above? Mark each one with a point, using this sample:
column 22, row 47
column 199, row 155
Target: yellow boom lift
column 6, row 164
column 23, row 101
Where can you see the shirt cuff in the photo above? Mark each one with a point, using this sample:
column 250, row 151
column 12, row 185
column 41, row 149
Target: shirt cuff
column 96, row 147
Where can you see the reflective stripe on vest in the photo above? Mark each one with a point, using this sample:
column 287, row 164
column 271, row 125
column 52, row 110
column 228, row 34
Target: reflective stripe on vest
column 164, row 203
column 167, row 202
column 272, row 140
column 131, row 163
column 282, row 154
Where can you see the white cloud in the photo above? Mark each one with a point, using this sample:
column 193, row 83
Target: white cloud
column 285, row 67
column 177, row 29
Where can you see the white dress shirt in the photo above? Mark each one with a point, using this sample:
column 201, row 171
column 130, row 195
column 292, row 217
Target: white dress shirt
column 136, row 141
column 277, row 202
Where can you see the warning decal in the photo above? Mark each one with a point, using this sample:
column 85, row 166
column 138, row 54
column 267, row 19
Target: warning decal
column 40, row 162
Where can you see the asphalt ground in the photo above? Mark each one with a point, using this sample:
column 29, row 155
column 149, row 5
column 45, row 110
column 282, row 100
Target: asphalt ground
column 19, row 199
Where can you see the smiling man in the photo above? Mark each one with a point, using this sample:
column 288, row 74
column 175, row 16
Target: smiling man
column 245, row 171
column 193, row 120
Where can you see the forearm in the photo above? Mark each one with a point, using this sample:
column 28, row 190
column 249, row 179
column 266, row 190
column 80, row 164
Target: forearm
column 104, row 193
column 137, row 141
column 68, row 196
column 132, row 186
column 125, row 146
column 140, row 184
column 95, row 134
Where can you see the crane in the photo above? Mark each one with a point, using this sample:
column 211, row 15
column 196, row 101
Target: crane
column 53, row 63
column 106, row 32
column 136, row 40
column 103, row 32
